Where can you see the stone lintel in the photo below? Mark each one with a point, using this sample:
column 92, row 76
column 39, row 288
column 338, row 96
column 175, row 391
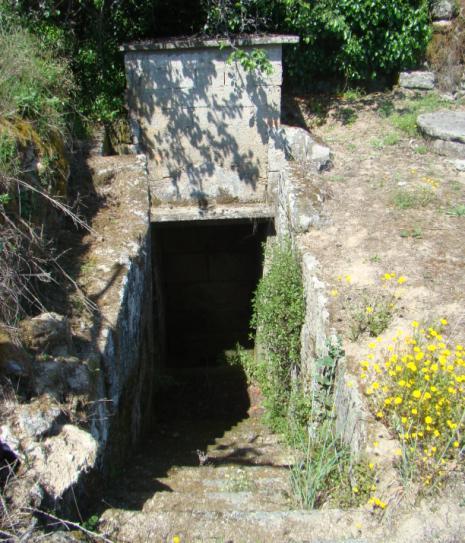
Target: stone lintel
column 202, row 43
column 194, row 213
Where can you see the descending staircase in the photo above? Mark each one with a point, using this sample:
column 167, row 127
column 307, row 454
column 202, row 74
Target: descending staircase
column 212, row 472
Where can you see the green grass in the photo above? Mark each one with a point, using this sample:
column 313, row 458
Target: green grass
column 392, row 138
column 456, row 211
column 415, row 233
column 413, row 198
column 405, row 118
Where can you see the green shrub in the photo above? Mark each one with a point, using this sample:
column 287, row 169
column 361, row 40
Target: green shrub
column 279, row 310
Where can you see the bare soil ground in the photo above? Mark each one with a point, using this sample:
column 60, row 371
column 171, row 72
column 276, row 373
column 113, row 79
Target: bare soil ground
column 396, row 207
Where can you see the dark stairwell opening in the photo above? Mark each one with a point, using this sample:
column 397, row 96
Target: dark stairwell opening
column 205, row 273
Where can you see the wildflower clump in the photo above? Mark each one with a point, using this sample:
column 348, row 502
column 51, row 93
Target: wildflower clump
column 418, row 392
column 370, row 312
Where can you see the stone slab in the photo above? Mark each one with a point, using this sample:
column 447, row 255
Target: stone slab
column 196, row 43
column 421, row 80
column 444, row 125
column 226, row 212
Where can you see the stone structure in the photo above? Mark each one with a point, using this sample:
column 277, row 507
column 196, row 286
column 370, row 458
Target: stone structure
column 204, row 122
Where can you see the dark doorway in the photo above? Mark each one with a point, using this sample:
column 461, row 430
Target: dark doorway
column 205, row 275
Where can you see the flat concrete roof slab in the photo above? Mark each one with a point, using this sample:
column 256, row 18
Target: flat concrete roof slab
column 201, row 43
column 444, row 125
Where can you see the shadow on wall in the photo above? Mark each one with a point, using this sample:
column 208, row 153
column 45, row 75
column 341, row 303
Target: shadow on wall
column 204, row 123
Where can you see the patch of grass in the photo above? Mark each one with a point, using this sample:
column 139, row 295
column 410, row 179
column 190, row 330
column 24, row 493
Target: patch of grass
column 456, row 211
column 405, row 118
column 377, row 143
column 413, row 198
column 375, row 259
column 391, row 139
column 416, row 233
column 352, row 94
column 347, row 115
column 371, row 312
column 421, row 149
column 336, row 178
column 385, row 108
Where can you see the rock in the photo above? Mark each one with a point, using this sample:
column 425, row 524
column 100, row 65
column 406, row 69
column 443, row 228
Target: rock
column 60, row 376
column 48, row 332
column 14, row 361
column 300, row 146
column 447, row 129
column 443, row 9
column 445, row 125
column 37, row 418
column 421, row 80
column 67, row 457
column 459, row 164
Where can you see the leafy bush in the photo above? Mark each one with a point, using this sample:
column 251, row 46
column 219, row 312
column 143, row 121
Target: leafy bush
column 279, row 310
column 356, row 40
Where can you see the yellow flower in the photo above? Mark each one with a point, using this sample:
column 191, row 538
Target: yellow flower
column 379, row 414
column 428, row 420
column 416, row 394
column 401, row 280
column 355, row 489
column 176, row 539
column 348, row 278
column 443, row 322
column 397, row 400
column 371, row 465
column 334, row 292
column 398, row 452
column 456, row 444
column 369, row 309
column 375, row 444
column 415, row 324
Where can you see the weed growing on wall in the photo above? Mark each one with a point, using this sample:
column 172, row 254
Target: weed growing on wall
column 417, row 389
column 278, row 314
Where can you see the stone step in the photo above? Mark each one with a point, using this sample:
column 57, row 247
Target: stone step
column 324, row 526
column 223, row 500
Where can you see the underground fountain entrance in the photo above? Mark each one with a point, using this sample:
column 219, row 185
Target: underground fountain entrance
column 209, row 450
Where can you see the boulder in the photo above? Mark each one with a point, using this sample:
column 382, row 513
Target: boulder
column 443, row 9
column 421, row 80
column 447, row 130
column 66, row 458
column 38, row 418
column 299, row 145
column 445, row 125
column 47, row 332
column 60, row 376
